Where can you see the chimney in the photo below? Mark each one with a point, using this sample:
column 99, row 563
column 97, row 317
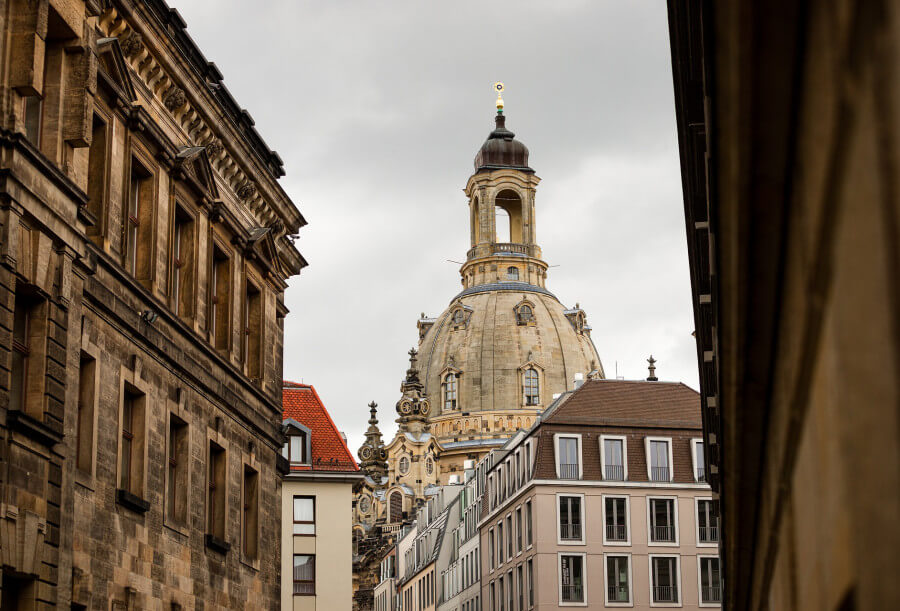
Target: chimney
column 579, row 380
column 652, row 369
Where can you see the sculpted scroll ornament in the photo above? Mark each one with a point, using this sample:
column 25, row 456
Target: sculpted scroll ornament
column 132, row 45
column 246, row 190
column 175, row 98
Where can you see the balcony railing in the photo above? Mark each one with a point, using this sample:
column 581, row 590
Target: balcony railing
column 711, row 594
column 617, row 594
column 659, row 474
column 614, row 473
column 616, row 532
column 504, row 247
column 568, row 471
column 569, row 532
column 701, row 474
column 573, row 593
column 663, row 533
column 709, row 534
column 665, row 594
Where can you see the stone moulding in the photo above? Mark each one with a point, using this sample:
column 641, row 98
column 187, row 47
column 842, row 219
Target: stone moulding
column 21, row 539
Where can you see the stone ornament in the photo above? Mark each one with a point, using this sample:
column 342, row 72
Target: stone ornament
column 132, row 45
column 214, row 148
column 246, row 190
column 175, row 98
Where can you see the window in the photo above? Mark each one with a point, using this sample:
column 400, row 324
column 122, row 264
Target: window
column 29, row 339
column 491, row 549
column 520, row 588
column 252, row 331
column 84, row 442
column 182, row 263
column 500, row 597
column 304, row 574
column 532, row 389
column 659, row 460
column 499, row 543
column 528, row 524
column 618, row 589
column 707, row 522
column 138, row 221
column 524, row 315
column 509, row 590
column 250, row 514
column 570, row 518
column 97, row 168
column 710, row 580
column 493, row 597
column 530, row 570
column 512, row 273
column 615, row 510
column 132, row 439
column 215, row 515
column 404, row 465
column 179, row 459
column 396, row 506
column 662, row 521
column 613, row 458
column 219, row 299
column 429, row 466
column 697, row 455
column 450, row 391
column 571, row 578
column 567, row 459
column 304, row 515
column 296, row 449
column 509, row 537
column 33, row 112
column 519, row 529
column 664, row 579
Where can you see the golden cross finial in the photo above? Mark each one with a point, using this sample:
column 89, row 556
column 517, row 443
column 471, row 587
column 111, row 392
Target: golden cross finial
column 498, row 87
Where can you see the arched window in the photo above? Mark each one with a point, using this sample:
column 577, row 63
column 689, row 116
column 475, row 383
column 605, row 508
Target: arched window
column 451, row 383
column 429, row 466
column 532, row 388
column 524, row 315
column 512, row 273
column 396, row 507
column 404, row 465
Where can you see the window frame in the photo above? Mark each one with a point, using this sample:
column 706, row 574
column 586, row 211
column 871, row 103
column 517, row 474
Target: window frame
column 697, row 541
column 527, row 385
column 671, row 465
column 176, row 423
column 606, row 585
column 700, row 558
column 695, row 464
column 295, row 581
column 650, row 541
column 584, row 578
column 583, row 539
column 624, row 440
column 529, row 539
column 678, row 586
column 446, row 391
column 627, row 541
column 556, row 439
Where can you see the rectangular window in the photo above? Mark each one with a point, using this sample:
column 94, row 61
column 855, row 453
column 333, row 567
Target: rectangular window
column 182, row 263
column 136, row 220
column 493, row 596
column 33, row 113
column 297, row 448
column 499, row 543
column 664, row 579
column 617, row 587
column 131, row 468
column 519, row 529
column 616, row 522
column 84, row 442
column 219, row 299
column 613, row 460
column 491, row 548
column 528, row 523
column 179, row 459
column 252, row 331
column 28, row 354
column 659, row 461
column 570, row 518
column 707, row 522
column 710, row 580
column 304, row 574
column 501, row 598
column 530, row 569
column 304, row 515
column 97, row 169
column 699, row 464
column 568, row 458
column 571, row 578
column 520, row 588
column 509, row 537
column 662, row 520
column 250, row 514
column 216, row 482
column 509, row 591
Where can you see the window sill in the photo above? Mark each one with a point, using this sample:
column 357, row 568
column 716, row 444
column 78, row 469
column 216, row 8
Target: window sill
column 32, row 428
column 132, row 501
column 216, row 544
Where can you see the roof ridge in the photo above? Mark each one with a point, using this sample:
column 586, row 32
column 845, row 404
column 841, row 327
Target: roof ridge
column 334, row 427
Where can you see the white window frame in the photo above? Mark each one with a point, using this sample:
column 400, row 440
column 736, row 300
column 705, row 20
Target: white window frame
column 584, row 573
column 493, row 549
column 528, row 508
column 697, row 522
column 627, row 542
column 624, row 441
column 700, row 581
column 668, row 440
column 577, row 436
column 694, row 463
column 559, row 539
column 630, row 602
column 680, row 590
column 650, row 541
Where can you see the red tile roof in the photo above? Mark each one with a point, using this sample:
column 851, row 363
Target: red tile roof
column 329, row 451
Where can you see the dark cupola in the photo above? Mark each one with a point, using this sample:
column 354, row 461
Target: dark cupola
column 501, row 149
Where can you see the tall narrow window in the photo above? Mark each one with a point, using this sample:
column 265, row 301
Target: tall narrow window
column 450, row 391
column 664, row 579
column 252, row 330
column 699, row 464
column 617, row 579
column 662, row 520
column 296, row 449
column 570, row 518
column 21, row 350
column 179, row 453
column 491, row 548
column 131, row 470
column 532, row 387
column 182, row 263
column 615, row 515
column 304, row 574
column 137, row 214
column 710, row 583
column 613, row 460
column 707, row 522
column 509, row 537
column 304, row 515
column 528, row 523
column 499, row 543
column 219, row 299
column 215, row 515
column 571, row 579
column 84, row 441
column 33, row 111
column 396, row 506
column 520, row 588
column 659, row 461
column 250, row 514
column 29, row 341
column 97, row 168
column 568, row 458
column 530, row 571
column 519, row 529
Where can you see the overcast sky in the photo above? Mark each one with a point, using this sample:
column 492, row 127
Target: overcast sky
column 378, row 108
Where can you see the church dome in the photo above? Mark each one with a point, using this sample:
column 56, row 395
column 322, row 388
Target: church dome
column 502, row 150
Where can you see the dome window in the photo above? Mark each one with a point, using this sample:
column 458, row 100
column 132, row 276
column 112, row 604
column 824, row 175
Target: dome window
column 532, row 388
column 404, row 465
column 512, row 273
column 429, row 466
column 459, row 317
column 524, row 314
column 451, row 391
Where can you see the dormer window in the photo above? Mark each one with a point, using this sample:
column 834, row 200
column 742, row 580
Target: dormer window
column 296, row 450
column 524, row 314
column 512, row 273
column 451, row 391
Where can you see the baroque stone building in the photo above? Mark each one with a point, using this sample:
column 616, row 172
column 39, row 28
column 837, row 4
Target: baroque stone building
column 144, row 252
column 486, row 367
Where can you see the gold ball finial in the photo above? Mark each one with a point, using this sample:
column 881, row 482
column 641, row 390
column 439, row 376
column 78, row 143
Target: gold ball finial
column 498, row 87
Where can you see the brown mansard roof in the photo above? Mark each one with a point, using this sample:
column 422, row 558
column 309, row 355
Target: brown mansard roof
column 630, row 403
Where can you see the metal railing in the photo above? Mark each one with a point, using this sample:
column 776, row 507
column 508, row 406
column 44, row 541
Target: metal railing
column 567, row 471
column 663, row 533
column 616, row 532
column 709, row 534
column 665, row 594
column 573, row 593
column 568, row 532
column 701, row 474
column 659, row 474
column 615, row 473
column 711, row 594
column 617, row 594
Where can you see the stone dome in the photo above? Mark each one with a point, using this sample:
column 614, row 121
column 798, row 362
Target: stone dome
column 488, row 340
column 502, row 150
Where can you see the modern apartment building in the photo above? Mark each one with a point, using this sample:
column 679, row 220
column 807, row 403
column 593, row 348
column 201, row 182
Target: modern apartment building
column 602, row 503
column 317, row 497
column 460, row 577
